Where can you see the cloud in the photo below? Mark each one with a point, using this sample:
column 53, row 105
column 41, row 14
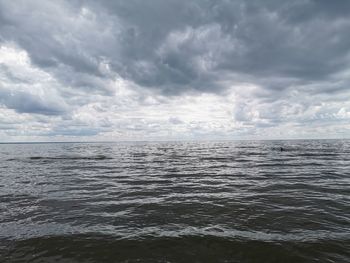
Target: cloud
column 27, row 103
column 162, row 69
column 167, row 42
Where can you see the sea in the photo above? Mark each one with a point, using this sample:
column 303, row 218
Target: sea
column 217, row 201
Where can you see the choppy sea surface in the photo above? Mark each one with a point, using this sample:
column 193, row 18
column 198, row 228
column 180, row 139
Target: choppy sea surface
column 241, row 201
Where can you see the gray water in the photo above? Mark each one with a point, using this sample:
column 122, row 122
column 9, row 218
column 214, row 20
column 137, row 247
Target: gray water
column 242, row 201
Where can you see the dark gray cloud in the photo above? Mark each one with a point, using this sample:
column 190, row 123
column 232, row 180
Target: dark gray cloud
column 176, row 46
column 258, row 39
column 24, row 102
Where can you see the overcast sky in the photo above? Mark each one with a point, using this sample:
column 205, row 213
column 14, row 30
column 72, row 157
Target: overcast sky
column 174, row 69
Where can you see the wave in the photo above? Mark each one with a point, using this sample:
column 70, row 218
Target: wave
column 65, row 157
column 100, row 248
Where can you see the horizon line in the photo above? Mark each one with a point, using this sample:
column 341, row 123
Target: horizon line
column 177, row 140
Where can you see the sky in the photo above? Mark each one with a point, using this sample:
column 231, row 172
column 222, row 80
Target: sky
column 100, row 70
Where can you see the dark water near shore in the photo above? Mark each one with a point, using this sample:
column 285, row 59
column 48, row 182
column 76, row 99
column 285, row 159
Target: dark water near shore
column 175, row 202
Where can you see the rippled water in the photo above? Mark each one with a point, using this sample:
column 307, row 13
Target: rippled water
column 175, row 202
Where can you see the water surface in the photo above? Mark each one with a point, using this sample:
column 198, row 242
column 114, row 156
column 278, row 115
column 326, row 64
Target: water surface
column 175, row 202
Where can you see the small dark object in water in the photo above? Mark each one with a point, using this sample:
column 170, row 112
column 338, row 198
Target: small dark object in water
column 281, row 149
